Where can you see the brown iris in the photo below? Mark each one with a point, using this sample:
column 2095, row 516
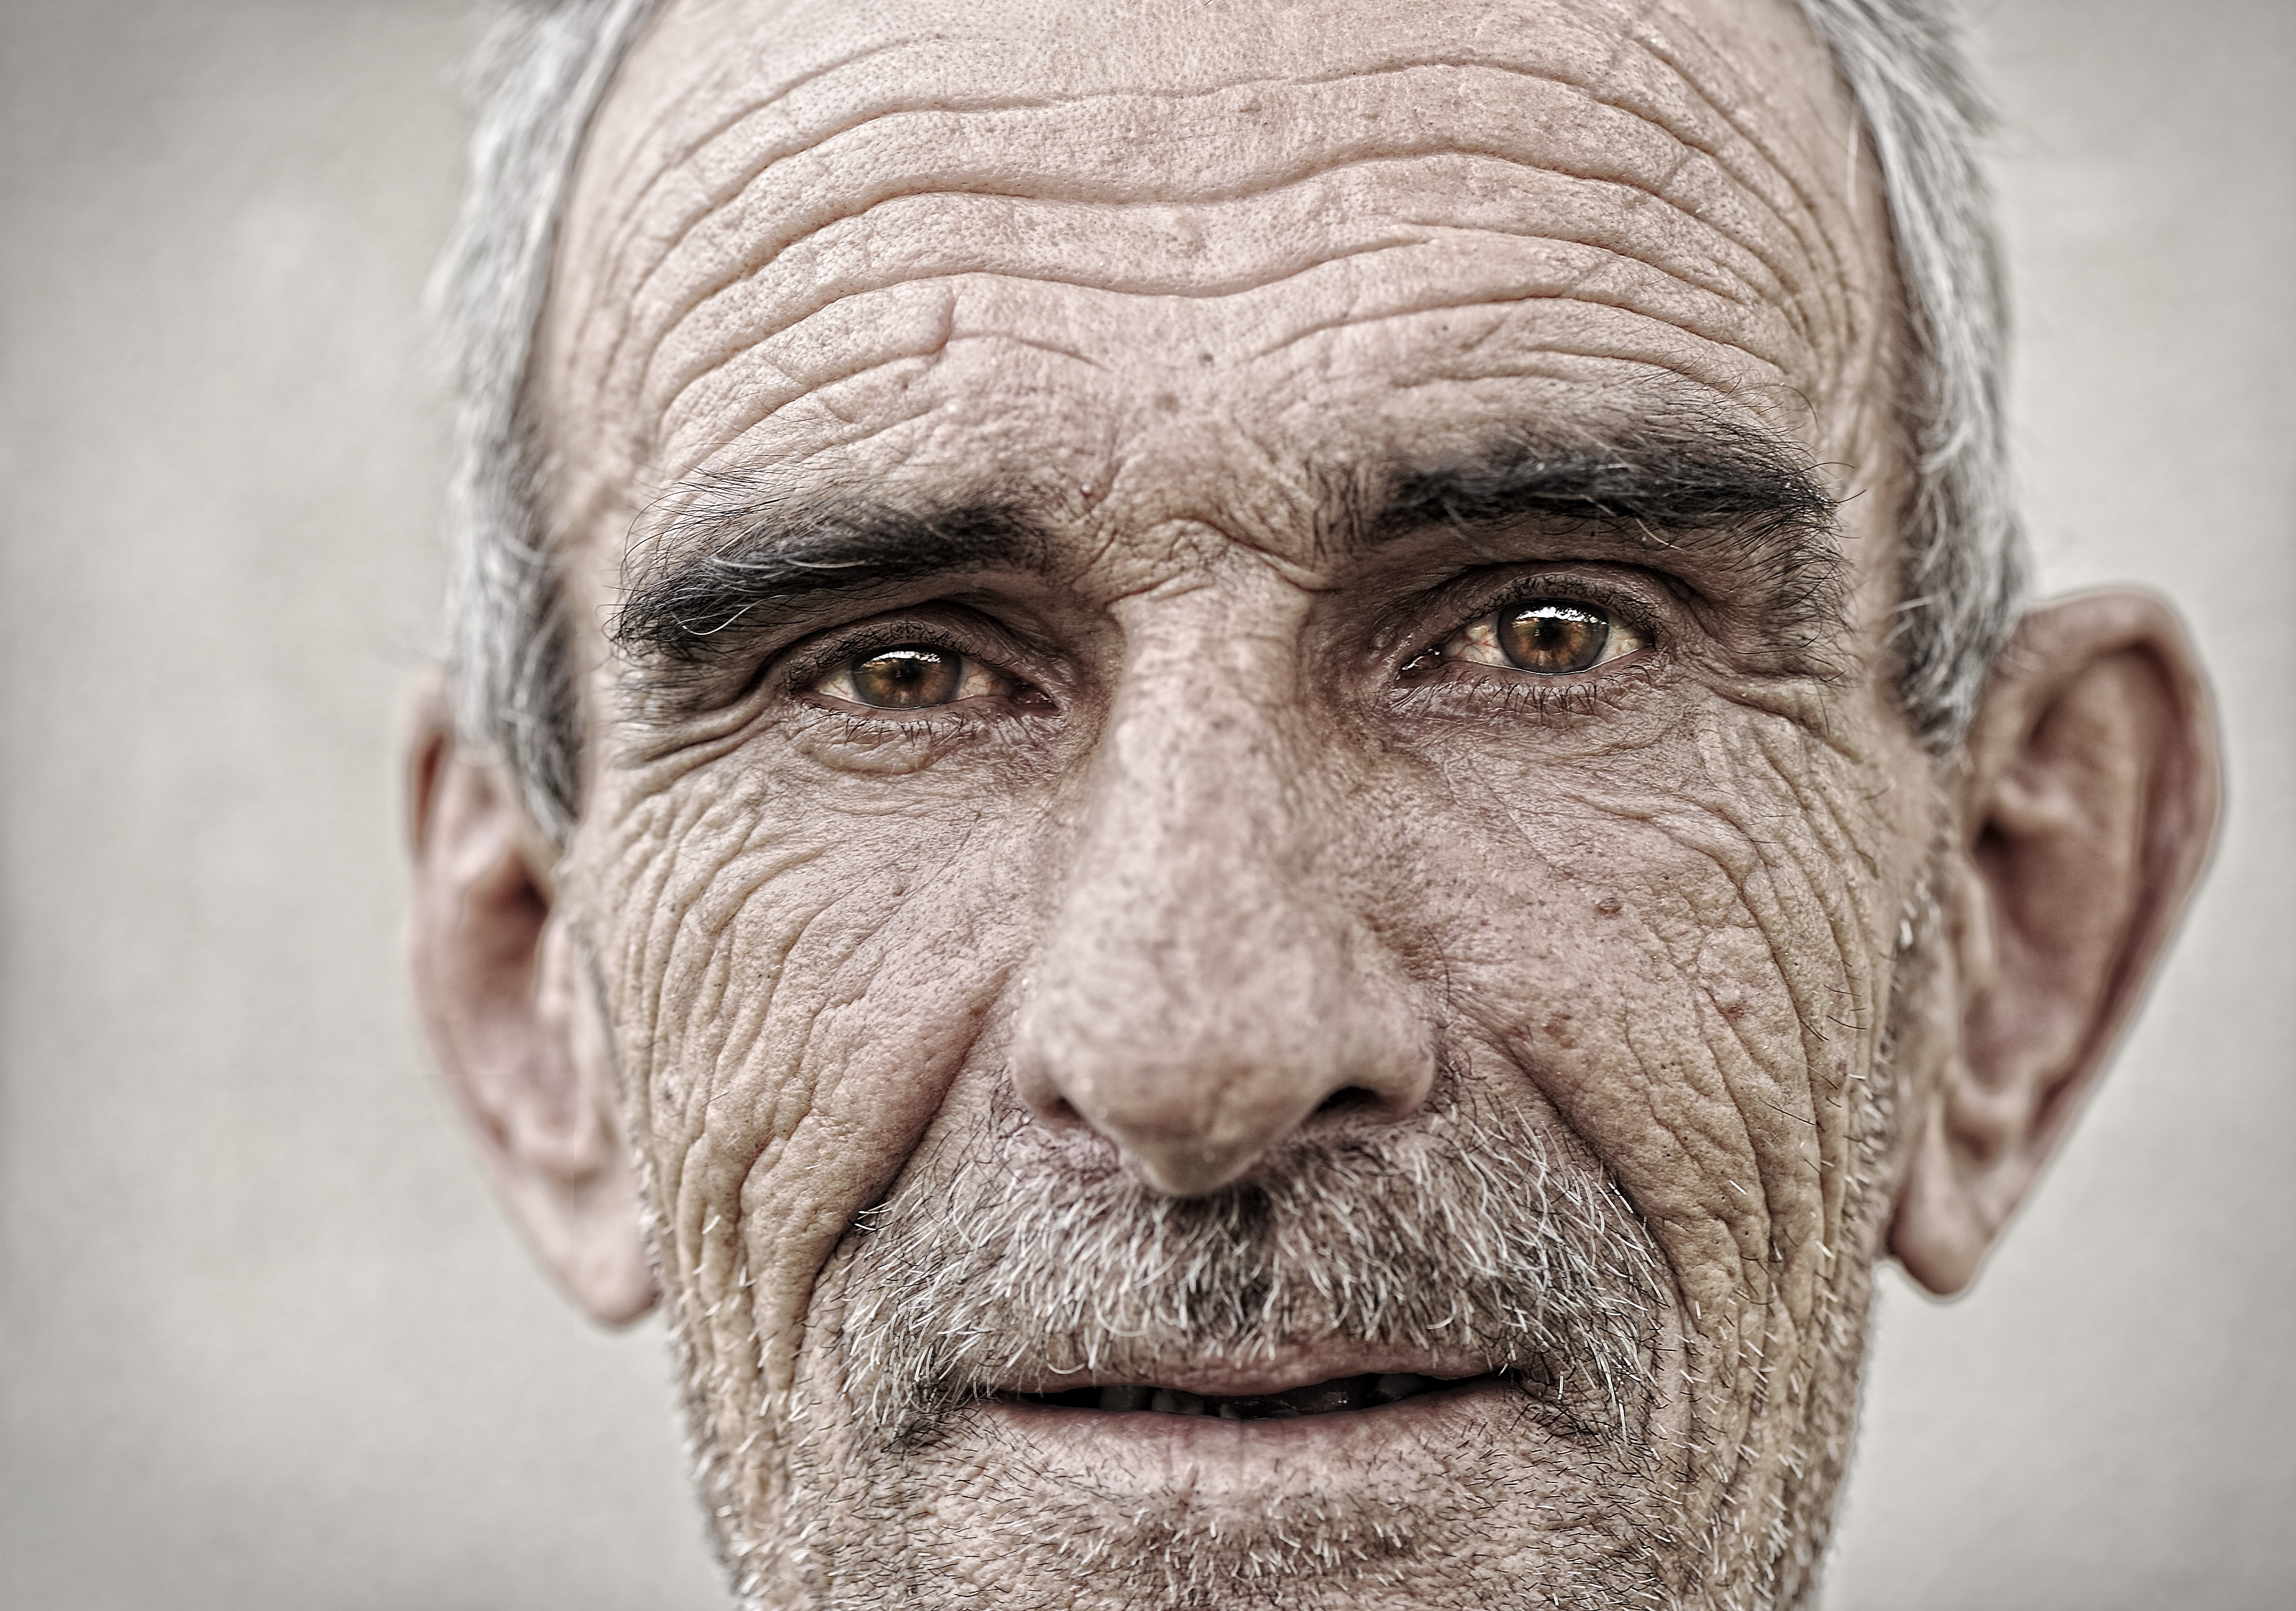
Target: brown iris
column 1553, row 637
column 908, row 678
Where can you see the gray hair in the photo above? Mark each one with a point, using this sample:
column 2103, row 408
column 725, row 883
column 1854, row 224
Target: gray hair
column 545, row 67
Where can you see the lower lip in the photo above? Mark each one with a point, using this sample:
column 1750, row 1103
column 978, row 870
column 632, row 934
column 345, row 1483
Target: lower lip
column 1143, row 1443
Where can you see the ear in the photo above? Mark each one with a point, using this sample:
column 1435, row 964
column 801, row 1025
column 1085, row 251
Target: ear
column 516, row 1023
column 2087, row 802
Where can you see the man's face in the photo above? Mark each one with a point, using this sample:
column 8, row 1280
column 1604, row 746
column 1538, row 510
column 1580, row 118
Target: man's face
column 1247, row 850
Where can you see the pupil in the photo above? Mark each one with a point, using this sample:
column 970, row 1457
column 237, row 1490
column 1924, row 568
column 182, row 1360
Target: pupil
column 1553, row 637
column 908, row 678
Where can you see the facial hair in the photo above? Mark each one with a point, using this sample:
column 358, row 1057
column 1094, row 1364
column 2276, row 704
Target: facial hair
column 1454, row 1235
column 1480, row 1225
column 1014, row 1253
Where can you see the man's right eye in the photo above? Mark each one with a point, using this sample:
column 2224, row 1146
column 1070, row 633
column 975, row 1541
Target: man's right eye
column 911, row 676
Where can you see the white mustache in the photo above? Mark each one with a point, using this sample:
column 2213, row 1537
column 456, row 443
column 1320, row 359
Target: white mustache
column 1451, row 1234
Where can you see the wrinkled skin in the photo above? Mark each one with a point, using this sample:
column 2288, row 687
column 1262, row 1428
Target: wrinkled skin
column 1227, row 853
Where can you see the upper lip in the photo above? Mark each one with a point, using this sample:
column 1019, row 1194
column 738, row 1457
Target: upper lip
column 1284, row 1370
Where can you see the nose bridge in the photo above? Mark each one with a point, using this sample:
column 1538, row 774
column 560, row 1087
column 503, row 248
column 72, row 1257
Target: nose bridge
column 1204, row 985
column 1192, row 862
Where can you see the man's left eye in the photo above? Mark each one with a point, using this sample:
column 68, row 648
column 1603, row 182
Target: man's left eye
column 910, row 677
column 1546, row 637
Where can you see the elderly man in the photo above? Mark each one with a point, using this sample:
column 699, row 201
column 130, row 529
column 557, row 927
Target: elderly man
column 1255, row 787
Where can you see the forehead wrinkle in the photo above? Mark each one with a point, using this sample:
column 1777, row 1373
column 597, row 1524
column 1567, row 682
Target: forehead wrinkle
column 1704, row 382
column 679, row 164
column 1572, row 268
column 736, row 367
column 1550, row 362
column 1302, row 166
column 726, row 435
column 1790, row 305
column 962, row 229
column 1700, row 211
column 1236, row 213
column 717, row 201
column 674, row 162
column 1807, row 218
column 1797, row 208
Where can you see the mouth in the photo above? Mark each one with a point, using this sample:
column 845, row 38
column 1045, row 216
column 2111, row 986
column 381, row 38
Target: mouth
column 1338, row 1395
column 1231, row 1433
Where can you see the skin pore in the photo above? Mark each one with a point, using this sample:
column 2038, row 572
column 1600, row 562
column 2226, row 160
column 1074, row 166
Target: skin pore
column 1248, row 889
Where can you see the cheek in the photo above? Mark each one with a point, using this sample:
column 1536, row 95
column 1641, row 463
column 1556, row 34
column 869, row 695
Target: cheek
column 796, row 977
column 1676, row 946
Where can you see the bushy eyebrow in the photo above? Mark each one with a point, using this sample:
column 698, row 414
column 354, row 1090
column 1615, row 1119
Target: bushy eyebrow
column 1709, row 494
column 741, row 556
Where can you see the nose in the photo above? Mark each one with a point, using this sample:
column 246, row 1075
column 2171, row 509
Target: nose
column 1206, row 984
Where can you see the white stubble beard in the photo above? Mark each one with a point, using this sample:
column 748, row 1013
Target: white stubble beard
column 1005, row 1253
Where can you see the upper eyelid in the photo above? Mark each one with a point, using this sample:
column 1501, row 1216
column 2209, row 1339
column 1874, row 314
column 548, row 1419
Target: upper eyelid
column 1577, row 589
column 804, row 664
column 1643, row 614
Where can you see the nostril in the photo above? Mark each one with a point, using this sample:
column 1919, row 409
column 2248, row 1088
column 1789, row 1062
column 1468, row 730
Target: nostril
column 1042, row 1095
column 1349, row 1099
column 1059, row 1112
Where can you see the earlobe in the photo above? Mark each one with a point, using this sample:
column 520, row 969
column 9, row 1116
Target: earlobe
column 515, row 1021
column 2087, row 802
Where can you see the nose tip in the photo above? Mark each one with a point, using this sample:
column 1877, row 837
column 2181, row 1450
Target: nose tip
column 1175, row 1154
column 1196, row 1090
column 1183, row 1154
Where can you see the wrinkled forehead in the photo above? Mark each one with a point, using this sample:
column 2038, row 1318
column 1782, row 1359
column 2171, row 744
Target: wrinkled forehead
column 810, row 233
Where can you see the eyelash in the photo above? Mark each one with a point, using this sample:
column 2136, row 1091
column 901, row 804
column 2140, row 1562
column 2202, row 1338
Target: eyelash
column 813, row 665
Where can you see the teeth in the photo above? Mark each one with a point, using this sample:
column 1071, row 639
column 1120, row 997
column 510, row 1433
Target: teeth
column 1170, row 1400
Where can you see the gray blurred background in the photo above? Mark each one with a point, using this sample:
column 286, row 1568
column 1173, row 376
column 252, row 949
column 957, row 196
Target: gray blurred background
column 264, row 1341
